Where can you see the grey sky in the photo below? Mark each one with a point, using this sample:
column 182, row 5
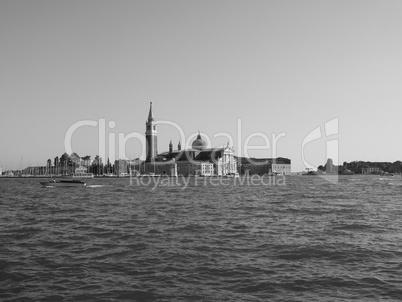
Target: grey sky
column 280, row 66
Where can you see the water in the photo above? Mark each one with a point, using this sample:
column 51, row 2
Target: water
column 302, row 240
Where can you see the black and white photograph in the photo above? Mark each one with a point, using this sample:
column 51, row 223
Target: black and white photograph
column 191, row 150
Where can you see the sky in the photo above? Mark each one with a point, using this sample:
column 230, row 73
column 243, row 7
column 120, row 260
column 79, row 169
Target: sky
column 246, row 70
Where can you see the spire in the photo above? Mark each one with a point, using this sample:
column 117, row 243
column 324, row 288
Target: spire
column 179, row 146
column 151, row 136
column 151, row 114
column 170, row 147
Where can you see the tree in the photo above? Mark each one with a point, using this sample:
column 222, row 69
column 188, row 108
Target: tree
column 329, row 167
column 56, row 164
column 397, row 166
column 48, row 166
column 64, row 162
column 108, row 166
column 87, row 160
column 97, row 165
column 74, row 161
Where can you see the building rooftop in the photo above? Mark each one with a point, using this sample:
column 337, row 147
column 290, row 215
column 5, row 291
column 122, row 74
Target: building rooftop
column 250, row 160
column 199, row 143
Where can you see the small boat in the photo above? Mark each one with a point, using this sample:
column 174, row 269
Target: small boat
column 108, row 175
column 310, row 173
column 63, row 183
column 274, row 174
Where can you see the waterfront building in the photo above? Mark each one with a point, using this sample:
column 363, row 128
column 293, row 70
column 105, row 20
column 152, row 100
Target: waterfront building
column 263, row 166
column 198, row 160
column 371, row 170
column 81, row 170
column 198, row 168
column 202, row 160
column 281, row 165
column 251, row 166
column 9, row 173
column 161, row 166
column 125, row 167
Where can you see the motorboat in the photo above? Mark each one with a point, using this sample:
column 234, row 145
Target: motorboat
column 63, row 183
column 310, row 173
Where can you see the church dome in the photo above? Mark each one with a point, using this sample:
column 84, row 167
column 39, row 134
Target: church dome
column 199, row 143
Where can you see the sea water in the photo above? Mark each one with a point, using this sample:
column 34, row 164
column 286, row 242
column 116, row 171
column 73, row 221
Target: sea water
column 299, row 239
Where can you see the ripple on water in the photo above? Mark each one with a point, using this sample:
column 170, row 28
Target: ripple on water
column 308, row 240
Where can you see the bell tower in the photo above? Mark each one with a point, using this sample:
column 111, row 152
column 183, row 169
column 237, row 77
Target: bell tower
column 151, row 136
